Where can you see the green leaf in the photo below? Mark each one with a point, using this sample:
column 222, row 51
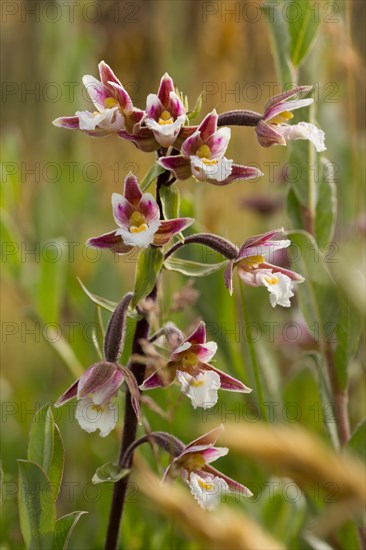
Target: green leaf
column 191, row 268
column 196, row 109
column 294, row 210
column 303, row 23
column 280, row 40
column 102, row 302
column 347, row 335
column 148, row 267
column 150, row 176
column 45, row 447
column 170, row 201
column 51, row 281
column 64, row 528
column 299, row 169
column 326, row 208
column 37, row 509
column 317, row 295
column 110, row 472
column 357, row 443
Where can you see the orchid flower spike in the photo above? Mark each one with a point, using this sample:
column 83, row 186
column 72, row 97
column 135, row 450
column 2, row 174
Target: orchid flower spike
column 208, row 485
column 114, row 107
column 203, row 156
column 189, row 365
column 255, row 270
column 273, row 128
column 138, row 218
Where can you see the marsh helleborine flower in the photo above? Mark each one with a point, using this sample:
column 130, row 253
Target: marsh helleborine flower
column 207, row 484
column 138, row 218
column 94, row 391
column 165, row 113
column 188, row 364
column 203, row 156
column 115, row 111
column 254, row 269
column 273, row 128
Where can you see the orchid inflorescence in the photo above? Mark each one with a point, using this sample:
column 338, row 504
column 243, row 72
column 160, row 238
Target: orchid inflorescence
column 183, row 151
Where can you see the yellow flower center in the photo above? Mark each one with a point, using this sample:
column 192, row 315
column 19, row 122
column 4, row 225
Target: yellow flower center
column 272, row 280
column 137, row 223
column 165, row 118
column 252, row 262
column 110, row 102
column 189, row 359
column 204, row 152
column 206, row 486
column 194, row 461
column 97, row 408
column 281, row 118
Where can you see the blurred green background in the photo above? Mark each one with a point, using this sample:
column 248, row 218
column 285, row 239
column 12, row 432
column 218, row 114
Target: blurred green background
column 56, row 189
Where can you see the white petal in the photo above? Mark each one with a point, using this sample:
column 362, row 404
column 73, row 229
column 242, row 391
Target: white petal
column 182, row 347
column 280, row 288
column 92, row 417
column 304, row 130
column 201, row 389
column 269, row 249
column 142, row 239
column 165, row 134
column 109, row 119
column 219, row 171
column 208, row 491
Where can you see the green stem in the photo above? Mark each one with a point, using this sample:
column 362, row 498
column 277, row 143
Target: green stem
column 253, row 357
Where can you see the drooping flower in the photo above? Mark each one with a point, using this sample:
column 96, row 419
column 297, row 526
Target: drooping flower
column 255, row 270
column 189, row 365
column 203, row 156
column 115, row 111
column 165, row 113
column 273, row 128
column 138, row 218
column 94, row 391
column 208, row 485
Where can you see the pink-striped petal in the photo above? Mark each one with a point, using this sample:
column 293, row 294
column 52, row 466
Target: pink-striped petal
column 97, row 91
column 122, row 97
column 132, row 192
column 287, row 106
column 276, row 269
column 238, row 172
column 184, row 133
column 198, row 336
column 168, row 228
column 267, row 135
column 70, row 393
column 228, row 276
column 107, row 75
column 227, row 382
column 122, row 210
column 166, row 86
column 204, row 352
column 154, row 107
column 69, row 122
column 208, row 438
column 191, row 145
column 234, row 486
column 180, row 166
column 259, row 240
column 208, row 126
column 175, row 106
column 286, row 95
column 111, row 241
column 219, row 142
column 149, row 208
column 161, row 378
column 214, row 453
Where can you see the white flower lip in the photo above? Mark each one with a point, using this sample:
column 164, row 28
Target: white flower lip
column 92, row 417
column 207, row 491
column 201, row 389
